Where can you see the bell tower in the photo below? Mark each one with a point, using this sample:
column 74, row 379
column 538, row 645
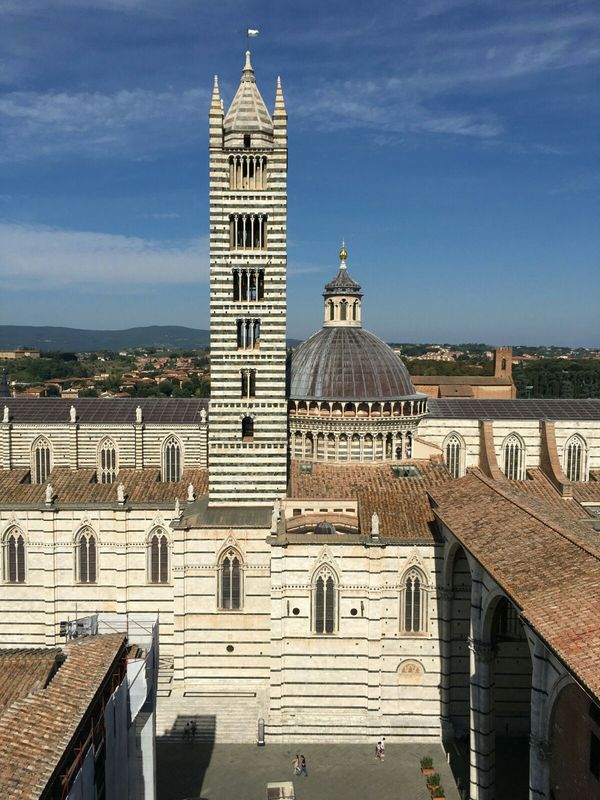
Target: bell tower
column 247, row 442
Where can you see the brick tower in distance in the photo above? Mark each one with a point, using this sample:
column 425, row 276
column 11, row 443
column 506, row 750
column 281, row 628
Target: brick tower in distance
column 248, row 260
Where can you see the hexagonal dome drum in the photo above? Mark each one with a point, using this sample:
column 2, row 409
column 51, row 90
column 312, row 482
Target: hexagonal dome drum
column 347, row 364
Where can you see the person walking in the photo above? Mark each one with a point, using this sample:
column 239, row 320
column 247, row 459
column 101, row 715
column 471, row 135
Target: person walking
column 303, row 767
column 193, row 728
column 296, row 765
column 378, row 750
column 382, row 750
column 186, row 732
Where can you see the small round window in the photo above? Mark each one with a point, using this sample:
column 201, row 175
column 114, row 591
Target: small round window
column 295, row 611
column 229, row 648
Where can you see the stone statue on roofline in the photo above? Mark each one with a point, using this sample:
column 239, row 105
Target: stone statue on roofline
column 275, row 516
column 138, row 414
column 49, row 494
column 121, row 493
column 375, row 525
column 73, row 414
column 177, row 508
column 191, row 496
column 203, row 415
column 6, row 417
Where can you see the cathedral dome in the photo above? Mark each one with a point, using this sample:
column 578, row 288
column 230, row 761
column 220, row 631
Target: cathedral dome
column 347, row 364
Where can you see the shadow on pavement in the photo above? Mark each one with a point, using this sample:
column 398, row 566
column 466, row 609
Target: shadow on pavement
column 183, row 757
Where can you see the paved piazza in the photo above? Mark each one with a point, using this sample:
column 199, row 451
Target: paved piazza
column 335, row 772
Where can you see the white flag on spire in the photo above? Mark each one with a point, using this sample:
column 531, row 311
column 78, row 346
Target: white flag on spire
column 251, row 32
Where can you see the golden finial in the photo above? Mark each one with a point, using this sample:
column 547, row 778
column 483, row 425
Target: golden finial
column 343, row 254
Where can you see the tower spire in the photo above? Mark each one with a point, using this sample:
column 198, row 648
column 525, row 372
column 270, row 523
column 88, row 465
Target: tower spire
column 248, row 71
column 215, row 101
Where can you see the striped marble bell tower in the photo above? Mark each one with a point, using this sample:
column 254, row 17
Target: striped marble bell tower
column 248, row 224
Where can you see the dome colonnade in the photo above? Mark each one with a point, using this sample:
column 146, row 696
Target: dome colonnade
column 351, row 397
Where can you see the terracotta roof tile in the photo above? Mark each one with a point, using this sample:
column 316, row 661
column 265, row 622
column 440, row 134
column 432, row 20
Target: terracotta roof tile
column 36, row 730
column 547, row 562
column 401, row 503
column 80, row 486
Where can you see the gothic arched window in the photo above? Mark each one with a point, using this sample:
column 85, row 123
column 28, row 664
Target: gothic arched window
column 230, row 580
column 171, row 460
column 454, row 455
column 14, row 557
column 331, row 310
column 158, row 557
column 324, row 602
column 343, row 310
column 513, row 458
column 41, row 460
column 87, row 560
column 414, row 603
column 575, row 458
column 107, row 461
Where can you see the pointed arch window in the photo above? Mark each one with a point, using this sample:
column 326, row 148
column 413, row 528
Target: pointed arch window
column 513, row 458
column 230, row 581
column 414, row 603
column 324, row 601
column 454, row 455
column 107, row 461
column 343, row 310
column 158, row 557
column 41, row 460
column 87, row 559
column 171, row 460
column 575, row 459
column 14, row 557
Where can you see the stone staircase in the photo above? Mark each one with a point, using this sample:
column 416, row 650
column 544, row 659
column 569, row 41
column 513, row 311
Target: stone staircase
column 220, row 716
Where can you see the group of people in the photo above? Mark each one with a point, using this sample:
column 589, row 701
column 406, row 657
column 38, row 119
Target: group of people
column 380, row 750
column 299, row 765
column 189, row 732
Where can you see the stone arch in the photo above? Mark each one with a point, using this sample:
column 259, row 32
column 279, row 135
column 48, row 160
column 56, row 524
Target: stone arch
column 410, row 672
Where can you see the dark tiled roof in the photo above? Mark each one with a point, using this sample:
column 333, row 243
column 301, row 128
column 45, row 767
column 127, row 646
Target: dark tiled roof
column 466, row 380
column 548, row 564
column 155, row 411
column 36, row 731
column 200, row 515
column 78, row 486
column 347, row 363
column 342, row 284
column 515, row 409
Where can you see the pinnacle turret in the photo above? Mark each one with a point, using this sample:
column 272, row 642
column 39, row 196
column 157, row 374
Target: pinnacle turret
column 248, row 113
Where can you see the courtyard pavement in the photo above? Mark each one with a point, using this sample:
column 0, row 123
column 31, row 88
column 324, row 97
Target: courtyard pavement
column 335, row 772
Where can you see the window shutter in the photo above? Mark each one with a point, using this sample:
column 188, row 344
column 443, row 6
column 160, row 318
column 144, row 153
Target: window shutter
column 154, row 560
column 12, row 559
column 164, row 560
column 235, row 583
column 20, row 560
column 319, row 606
column 92, row 559
column 83, row 559
column 416, row 605
column 226, row 583
column 408, row 604
column 329, row 606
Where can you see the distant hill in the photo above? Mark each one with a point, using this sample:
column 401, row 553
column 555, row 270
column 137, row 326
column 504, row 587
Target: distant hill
column 78, row 340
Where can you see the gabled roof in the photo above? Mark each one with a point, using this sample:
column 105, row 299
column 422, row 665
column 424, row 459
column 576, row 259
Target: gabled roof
column 546, row 562
column 248, row 111
column 37, row 730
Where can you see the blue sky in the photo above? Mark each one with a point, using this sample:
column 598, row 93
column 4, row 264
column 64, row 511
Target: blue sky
column 453, row 144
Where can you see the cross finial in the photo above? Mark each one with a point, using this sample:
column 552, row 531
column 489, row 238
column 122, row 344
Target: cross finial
column 248, row 64
column 343, row 255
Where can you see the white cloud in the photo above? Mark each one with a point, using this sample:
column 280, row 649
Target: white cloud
column 42, row 257
column 128, row 123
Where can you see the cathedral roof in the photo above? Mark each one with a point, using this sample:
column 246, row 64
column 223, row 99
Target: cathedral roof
column 547, row 573
column 248, row 112
column 347, row 363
